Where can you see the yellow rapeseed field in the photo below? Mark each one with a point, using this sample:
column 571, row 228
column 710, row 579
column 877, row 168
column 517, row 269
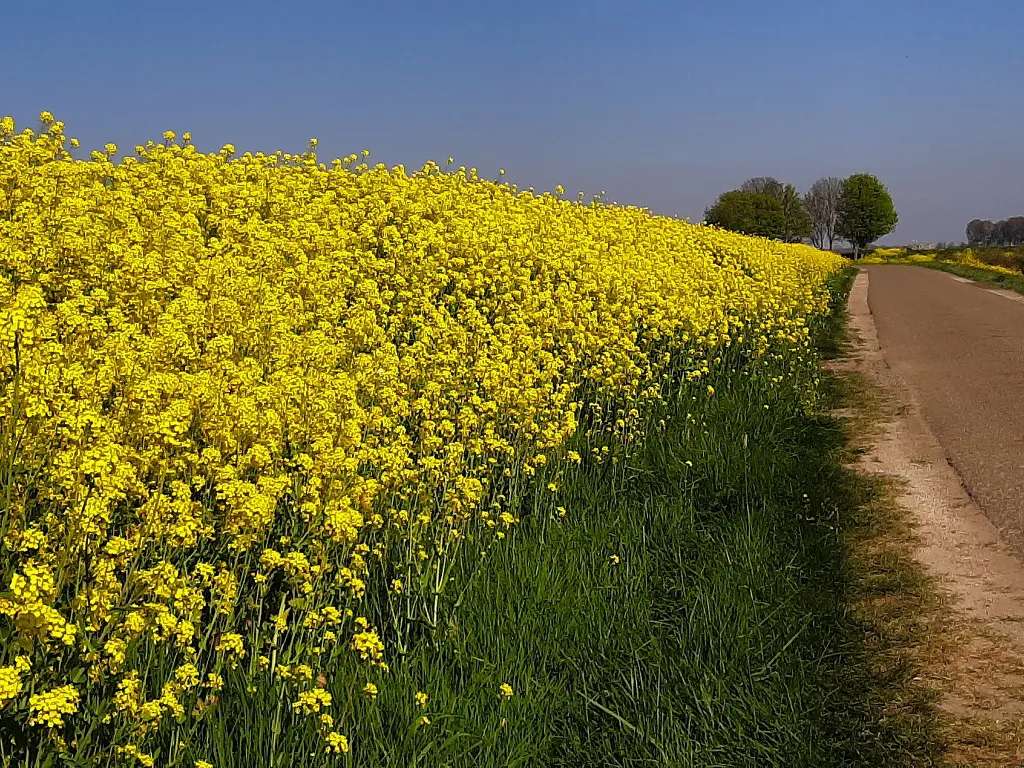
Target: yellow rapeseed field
column 253, row 408
column 966, row 257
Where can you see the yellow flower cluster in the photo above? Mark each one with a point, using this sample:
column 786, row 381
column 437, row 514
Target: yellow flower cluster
column 888, row 253
column 48, row 708
column 252, row 408
column 10, row 684
column 336, row 743
column 966, row 257
column 311, row 702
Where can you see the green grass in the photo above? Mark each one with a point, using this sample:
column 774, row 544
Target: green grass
column 723, row 636
column 946, row 260
column 1003, row 280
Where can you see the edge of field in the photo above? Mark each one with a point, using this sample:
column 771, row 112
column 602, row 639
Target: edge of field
column 767, row 614
column 1000, row 278
column 891, row 594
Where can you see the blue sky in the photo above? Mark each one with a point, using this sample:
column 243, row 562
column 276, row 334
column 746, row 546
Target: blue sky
column 660, row 104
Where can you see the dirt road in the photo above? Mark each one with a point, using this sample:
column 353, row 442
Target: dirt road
column 947, row 359
column 959, row 348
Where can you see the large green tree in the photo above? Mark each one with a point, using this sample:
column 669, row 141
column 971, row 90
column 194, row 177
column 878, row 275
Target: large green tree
column 750, row 213
column 866, row 211
column 796, row 224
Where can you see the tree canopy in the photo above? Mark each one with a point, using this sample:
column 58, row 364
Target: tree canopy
column 763, row 185
column 822, row 204
column 751, row 213
column 858, row 209
column 866, row 211
column 796, row 224
column 1006, row 232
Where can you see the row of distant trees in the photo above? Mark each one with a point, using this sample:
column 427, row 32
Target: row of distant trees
column 1006, row 232
column 857, row 209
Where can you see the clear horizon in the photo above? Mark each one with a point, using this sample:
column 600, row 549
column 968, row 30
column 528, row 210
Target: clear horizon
column 664, row 106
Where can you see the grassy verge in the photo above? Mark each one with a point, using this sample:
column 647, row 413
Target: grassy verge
column 697, row 606
column 1008, row 257
column 897, row 605
column 1013, row 282
column 996, row 274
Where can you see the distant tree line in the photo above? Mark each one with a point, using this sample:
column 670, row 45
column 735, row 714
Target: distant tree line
column 1006, row 232
column 858, row 209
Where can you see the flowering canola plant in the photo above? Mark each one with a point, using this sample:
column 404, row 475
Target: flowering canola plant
column 254, row 408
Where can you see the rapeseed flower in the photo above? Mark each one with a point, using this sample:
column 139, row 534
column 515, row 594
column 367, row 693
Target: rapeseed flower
column 264, row 404
column 10, row 684
column 50, row 707
column 310, row 702
column 336, row 743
